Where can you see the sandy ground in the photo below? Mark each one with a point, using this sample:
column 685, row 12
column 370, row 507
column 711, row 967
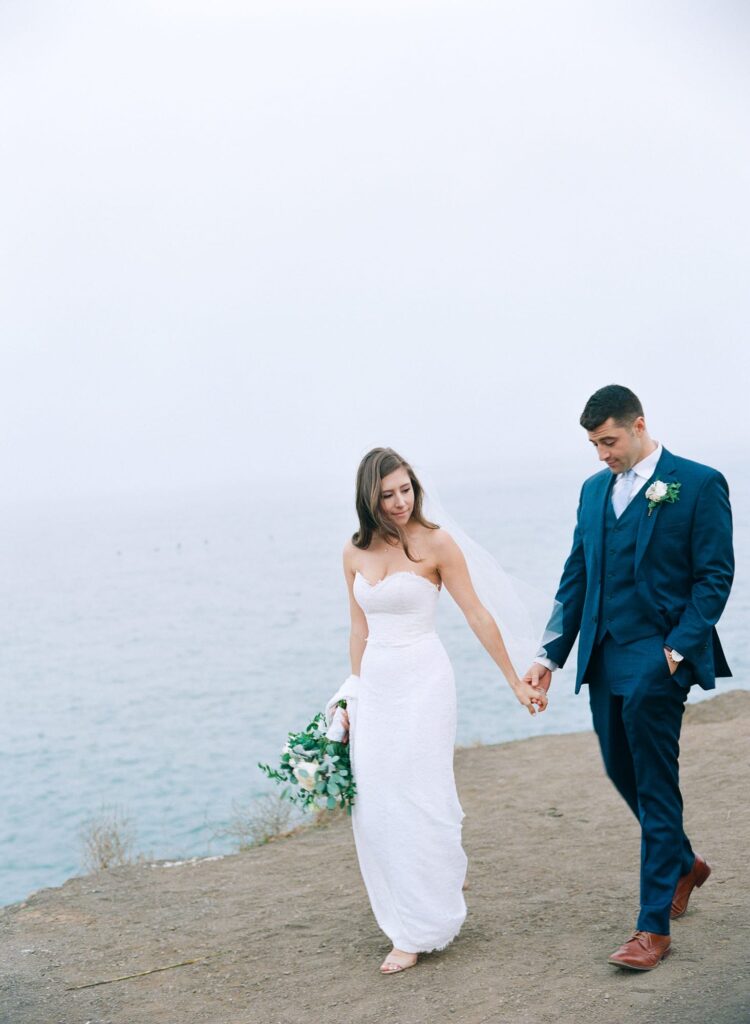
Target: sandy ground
column 283, row 934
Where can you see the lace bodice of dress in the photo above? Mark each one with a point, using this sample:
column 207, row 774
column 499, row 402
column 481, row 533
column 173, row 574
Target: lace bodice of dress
column 400, row 609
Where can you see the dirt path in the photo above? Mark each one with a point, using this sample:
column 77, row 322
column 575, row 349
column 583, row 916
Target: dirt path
column 287, row 936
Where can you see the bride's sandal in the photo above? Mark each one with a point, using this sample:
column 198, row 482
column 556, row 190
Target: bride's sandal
column 392, row 964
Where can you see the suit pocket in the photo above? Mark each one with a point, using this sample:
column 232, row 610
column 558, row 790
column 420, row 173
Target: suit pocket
column 652, row 664
column 664, row 667
column 638, row 664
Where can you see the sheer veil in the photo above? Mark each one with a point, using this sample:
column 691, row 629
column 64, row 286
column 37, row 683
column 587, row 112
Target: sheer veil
column 526, row 617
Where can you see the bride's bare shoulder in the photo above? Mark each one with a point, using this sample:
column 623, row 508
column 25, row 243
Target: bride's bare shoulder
column 439, row 542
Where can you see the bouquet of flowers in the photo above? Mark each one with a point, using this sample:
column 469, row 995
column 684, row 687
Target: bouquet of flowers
column 316, row 771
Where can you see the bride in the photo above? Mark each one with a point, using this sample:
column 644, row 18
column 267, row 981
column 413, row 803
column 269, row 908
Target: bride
column 407, row 817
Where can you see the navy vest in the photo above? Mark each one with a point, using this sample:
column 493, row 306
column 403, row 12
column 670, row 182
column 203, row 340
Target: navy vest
column 622, row 612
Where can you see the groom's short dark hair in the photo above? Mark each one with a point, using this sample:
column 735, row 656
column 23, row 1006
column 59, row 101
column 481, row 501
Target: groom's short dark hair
column 613, row 400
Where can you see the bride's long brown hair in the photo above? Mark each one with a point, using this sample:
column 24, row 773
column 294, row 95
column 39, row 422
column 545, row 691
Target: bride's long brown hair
column 379, row 463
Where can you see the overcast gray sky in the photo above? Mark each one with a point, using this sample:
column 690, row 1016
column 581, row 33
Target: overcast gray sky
column 249, row 240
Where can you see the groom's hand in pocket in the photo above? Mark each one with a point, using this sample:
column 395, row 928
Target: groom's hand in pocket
column 539, row 676
column 673, row 665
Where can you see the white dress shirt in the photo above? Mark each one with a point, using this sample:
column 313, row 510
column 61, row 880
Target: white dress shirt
column 643, row 471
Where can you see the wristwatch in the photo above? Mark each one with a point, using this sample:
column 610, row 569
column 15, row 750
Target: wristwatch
column 675, row 656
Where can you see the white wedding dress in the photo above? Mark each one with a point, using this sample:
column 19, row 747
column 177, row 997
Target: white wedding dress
column 406, row 816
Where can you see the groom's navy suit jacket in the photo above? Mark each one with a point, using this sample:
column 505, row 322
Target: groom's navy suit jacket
column 683, row 568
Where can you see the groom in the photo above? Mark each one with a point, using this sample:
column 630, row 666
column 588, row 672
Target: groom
column 646, row 580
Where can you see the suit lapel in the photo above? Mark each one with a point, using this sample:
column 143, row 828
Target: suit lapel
column 605, row 484
column 665, row 469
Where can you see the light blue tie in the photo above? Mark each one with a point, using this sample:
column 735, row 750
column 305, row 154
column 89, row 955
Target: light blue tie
column 622, row 492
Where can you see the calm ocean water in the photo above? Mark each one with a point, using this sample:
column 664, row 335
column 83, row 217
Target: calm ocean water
column 153, row 650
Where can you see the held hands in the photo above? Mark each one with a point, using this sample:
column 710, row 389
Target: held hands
column 539, row 676
column 531, row 691
column 533, row 698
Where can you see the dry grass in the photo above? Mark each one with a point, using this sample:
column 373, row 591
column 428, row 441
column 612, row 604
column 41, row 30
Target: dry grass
column 266, row 818
column 108, row 840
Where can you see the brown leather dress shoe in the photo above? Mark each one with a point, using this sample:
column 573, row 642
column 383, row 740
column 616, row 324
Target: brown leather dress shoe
column 643, row 952
column 696, row 876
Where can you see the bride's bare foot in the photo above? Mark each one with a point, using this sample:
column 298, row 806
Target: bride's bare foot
column 397, row 961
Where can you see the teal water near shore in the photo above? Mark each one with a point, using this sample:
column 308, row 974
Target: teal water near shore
column 153, row 650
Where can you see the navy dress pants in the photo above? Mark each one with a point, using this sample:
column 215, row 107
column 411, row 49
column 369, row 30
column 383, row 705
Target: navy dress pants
column 637, row 709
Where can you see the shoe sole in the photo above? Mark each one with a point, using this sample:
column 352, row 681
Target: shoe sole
column 632, row 967
column 674, row 916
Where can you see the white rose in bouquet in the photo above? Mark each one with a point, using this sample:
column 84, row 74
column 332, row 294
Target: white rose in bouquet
column 305, row 773
column 315, row 771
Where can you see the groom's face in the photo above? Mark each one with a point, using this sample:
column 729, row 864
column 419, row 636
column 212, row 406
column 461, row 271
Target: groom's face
column 619, row 445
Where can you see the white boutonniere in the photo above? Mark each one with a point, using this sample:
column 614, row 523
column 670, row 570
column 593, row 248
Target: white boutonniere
column 659, row 492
